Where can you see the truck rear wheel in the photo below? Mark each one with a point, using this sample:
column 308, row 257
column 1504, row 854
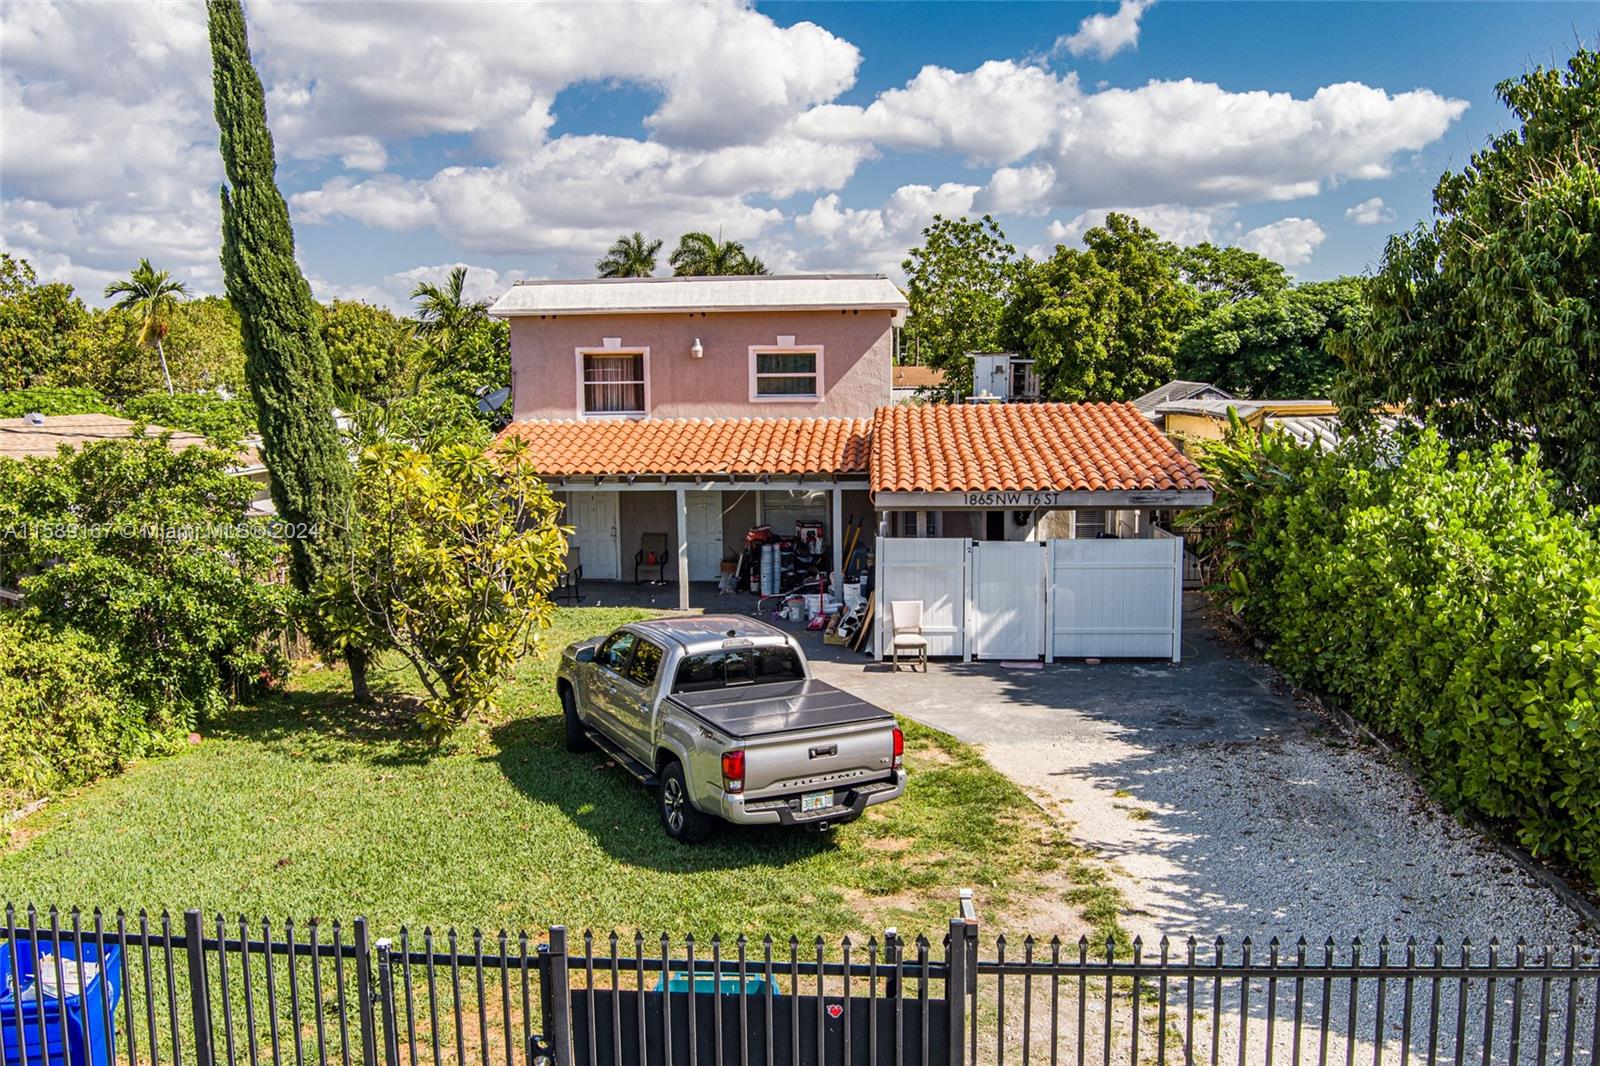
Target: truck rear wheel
column 577, row 739
column 678, row 816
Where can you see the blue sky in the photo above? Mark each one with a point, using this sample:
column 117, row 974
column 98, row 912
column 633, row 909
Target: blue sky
column 518, row 139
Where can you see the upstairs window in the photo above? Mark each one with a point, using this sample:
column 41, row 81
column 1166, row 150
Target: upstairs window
column 780, row 374
column 613, row 383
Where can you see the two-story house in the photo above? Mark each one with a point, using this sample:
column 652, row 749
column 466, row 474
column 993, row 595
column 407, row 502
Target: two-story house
column 681, row 412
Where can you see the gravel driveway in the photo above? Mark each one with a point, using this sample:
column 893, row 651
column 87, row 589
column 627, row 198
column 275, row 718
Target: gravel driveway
column 1226, row 807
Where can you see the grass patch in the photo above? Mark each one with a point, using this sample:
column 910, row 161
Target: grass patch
column 305, row 806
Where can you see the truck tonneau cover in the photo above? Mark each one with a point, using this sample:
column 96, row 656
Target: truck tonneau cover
column 746, row 711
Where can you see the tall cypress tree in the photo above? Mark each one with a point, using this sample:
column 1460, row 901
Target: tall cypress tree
column 285, row 364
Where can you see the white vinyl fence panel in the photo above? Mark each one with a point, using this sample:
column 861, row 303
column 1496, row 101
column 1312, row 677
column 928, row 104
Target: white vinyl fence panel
column 1116, row 598
column 1007, row 617
column 1022, row 599
column 933, row 570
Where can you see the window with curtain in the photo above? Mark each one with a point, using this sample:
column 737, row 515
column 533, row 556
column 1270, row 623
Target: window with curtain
column 613, row 384
column 787, row 375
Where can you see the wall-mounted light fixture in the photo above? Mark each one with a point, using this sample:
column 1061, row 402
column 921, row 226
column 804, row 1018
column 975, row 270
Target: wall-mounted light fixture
column 696, row 350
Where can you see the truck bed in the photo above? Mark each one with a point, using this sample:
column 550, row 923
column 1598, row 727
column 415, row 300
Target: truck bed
column 746, row 711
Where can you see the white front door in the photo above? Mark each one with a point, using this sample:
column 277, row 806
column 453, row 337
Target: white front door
column 705, row 535
column 593, row 518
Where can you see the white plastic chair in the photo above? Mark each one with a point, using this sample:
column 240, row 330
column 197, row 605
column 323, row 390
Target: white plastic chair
column 905, row 626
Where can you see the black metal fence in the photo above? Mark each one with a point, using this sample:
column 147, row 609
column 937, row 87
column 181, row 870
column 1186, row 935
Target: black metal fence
column 153, row 991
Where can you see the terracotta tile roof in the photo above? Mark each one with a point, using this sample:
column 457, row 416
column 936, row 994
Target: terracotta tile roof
column 749, row 446
column 1024, row 447
column 917, row 377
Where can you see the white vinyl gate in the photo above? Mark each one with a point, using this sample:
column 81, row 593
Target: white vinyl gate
column 1006, row 616
column 1025, row 599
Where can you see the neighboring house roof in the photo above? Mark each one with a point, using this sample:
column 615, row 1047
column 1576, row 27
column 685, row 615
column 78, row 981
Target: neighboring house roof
column 20, row 439
column 1248, row 409
column 1178, row 390
column 757, row 292
column 917, row 377
column 740, row 446
column 1023, row 448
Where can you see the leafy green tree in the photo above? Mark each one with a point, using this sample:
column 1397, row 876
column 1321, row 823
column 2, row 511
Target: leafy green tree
column 957, row 282
column 205, row 347
column 285, row 363
column 429, row 419
column 702, row 255
column 446, row 318
column 1227, row 274
column 148, row 550
column 1272, row 345
column 14, row 403
column 226, row 421
column 371, row 351
column 453, row 556
column 1487, row 319
column 37, row 324
column 150, row 295
column 630, row 256
column 1102, row 322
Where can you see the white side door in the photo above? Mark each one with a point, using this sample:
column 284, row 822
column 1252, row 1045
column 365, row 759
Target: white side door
column 593, row 518
column 1007, row 619
column 705, row 535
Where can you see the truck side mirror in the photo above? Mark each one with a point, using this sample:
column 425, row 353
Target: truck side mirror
column 585, row 655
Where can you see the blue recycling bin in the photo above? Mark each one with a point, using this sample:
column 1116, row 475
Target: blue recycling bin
column 79, row 1029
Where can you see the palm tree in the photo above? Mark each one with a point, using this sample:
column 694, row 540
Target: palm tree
column 151, row 295
column 629, row 257
column 702, row 255
column 445, row 315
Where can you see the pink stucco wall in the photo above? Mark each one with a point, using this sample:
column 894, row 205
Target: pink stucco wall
column 857, row 351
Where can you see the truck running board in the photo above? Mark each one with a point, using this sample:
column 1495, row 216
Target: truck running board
column 638, row 769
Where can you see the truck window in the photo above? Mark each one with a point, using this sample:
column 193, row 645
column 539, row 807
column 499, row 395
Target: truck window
column 646, row 661
column 613, row 654
column 737, row 666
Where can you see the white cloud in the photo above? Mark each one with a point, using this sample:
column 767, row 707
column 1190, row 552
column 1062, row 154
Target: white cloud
column 998, row 113
column 1106, row 35
column 1195, row 142
column 1183, row 141
column 1290, row 241
column 1174, row 222
column 443, row 118
column 877, row 238
column 725, row 72
column 577, row 193
column 394, row 290
column 1020, row 190
column 1370, row 212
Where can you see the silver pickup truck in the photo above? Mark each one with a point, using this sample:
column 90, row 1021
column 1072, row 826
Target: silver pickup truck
column 721, row 715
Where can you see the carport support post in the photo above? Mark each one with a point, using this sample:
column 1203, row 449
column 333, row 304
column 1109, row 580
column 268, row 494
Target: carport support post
column 683, row 549
column 836, row 537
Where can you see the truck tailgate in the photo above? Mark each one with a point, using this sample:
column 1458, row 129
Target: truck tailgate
column 798, row 736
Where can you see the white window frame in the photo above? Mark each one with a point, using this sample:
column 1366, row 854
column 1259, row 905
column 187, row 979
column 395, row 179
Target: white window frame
column 609, row 349
column 926, row 524
column 786, row 349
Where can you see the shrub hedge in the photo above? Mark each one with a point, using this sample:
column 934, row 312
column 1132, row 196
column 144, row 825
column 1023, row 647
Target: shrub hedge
column 64, row 719
column 1448, row 601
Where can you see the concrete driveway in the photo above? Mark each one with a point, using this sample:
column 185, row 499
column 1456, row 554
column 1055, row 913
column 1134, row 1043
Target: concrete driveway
column 1223, row 805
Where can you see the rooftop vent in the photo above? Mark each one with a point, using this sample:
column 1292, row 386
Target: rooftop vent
column 33, row 418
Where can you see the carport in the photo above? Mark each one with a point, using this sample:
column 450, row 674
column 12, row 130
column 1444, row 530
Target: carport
column 1057, row 548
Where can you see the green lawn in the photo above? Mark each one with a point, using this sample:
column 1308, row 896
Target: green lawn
column 303, row 807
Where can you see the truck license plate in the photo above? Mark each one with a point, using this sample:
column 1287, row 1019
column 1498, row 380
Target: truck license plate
column 815, row 801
